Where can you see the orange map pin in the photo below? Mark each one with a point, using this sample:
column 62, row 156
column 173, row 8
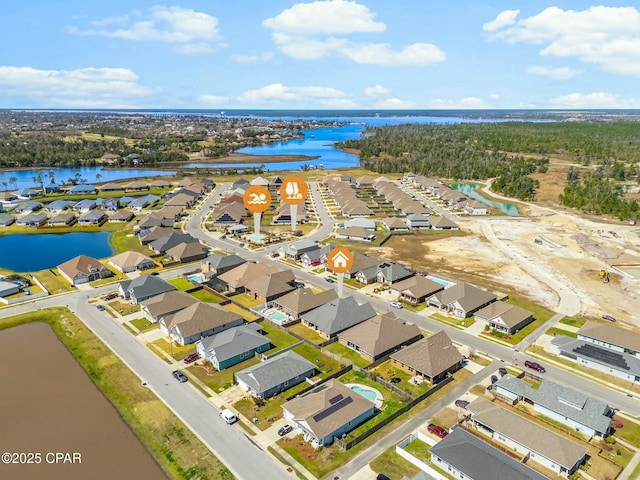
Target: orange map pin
column 293, row 190
column 257, row 198
column 340, row 260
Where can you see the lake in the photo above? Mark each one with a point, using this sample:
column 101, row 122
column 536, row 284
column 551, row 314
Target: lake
column 49, row 404
column 33, row 252
column 470, row 190
column 62, row 175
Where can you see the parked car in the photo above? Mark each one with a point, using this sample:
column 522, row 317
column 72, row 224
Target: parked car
column 275, row 255
column 222, row 237
column 462, row 403
column 297, row 285
column 284, row 430
column 382, row 476
column 178, row 375
column 502, row 371
column 395, row 304
column 494, row 379
column 228, row 416
column 437, row 430
column 100, row 308
column 191, row 357
column 609, row 317
column 330, row 280
column 535, row 366
column 111, row 296
column 242, row 244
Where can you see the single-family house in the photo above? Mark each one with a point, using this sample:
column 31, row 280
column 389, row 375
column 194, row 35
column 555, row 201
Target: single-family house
column 418, row 221
column 235, row 345
column 32, row 219
column 6, row 219
column 504, row 317
column 574, row 409
column 618, row 339
column 275, row 375
column 364, row 181
column 303, row 300
column 239, row 277
column 328, row 411
column 296, row 249
column 316, row 257
column 430, row 359
column 83, row 189
column 356, row 233
column 83, row 269
column 461, row 300
column 366, row 223
column 416, row 289
column 143, row 287
column 270, row 286
column 58, row 206
column 160, row 183
column 8, row 197
column 85, row 205
column 474, row 207
column 181, row 200
column 216, row 264
column 186, row 252
column 52, row 188
column 164, row 304
column 361, row 262
column 131, row 261
column 110, row 204
column 121, row 216
column 465, row 456
column 111, row 187
column 136, row 186
column 28, row 207
column 62, row 220
column 95, row 217
column 443, row 223
column 393, row 224
column 201, row 319
column 163, row 244
column 390, row 273
column 28, row 193
column 152, row 234
column 379, row 336
column 228, row 213
column 339, row 314
column 142, row 202
column 529, row 439
column 8, row 288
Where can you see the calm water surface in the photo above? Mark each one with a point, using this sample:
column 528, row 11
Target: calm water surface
column 470, row 189
column 32, row 252
column 49, row 404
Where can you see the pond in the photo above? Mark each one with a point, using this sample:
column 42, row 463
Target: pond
column 51, row 405
column 470, row 189
column 33, row 252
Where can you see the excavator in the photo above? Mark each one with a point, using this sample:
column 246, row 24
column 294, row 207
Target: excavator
column 604, row 275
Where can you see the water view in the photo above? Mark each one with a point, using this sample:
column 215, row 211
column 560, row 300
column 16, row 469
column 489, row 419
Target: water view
column 53, row 406
column 33, row 252
column 470, row 190
column 25, row 178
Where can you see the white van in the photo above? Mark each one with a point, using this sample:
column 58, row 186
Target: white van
column 228, row 416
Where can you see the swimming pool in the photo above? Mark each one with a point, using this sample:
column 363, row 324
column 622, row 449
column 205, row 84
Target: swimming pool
column 367, row 392
column 444, row 283
column 195, row 278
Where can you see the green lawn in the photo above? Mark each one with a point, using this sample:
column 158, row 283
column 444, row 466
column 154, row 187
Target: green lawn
column 246, row 314
column 178, row 352
column 325, row 365
column 419, row 449
column 348, row 354
column 181, row 284
column 387, row 371
column 53, row 281
column 630, row 432
column 205, row 296
column 307, row 333
column 279, row 338
column 219, row 381
column 124, row 239
column 245, row 300
column 574, row 322
column 144, row 325
column 124, row 307
column 393, row 465
column 553, row 331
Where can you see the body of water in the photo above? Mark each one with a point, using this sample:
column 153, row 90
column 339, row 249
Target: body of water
column 49, row 404
column 33, row 252
column 470, row 189
column 24, row 178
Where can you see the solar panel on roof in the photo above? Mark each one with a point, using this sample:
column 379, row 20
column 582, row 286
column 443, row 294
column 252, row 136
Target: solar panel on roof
column 606, row 356
column 318, row 417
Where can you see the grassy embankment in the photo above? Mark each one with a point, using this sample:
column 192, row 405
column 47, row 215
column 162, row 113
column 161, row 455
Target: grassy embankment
column 175, row 447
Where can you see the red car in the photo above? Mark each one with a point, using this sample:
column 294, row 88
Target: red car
column 191, row 358
column 111, row 296
column 535, row 366
column 437, row 430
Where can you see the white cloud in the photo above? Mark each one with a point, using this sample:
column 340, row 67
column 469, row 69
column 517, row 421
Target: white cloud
column 563, row 73
column 276, row 93
column 325, row 18
column 394, row 104
column 376, row 91
column 246, row 59
column 494, row 96
column 188, row 29
column 82, row 88
column 594, row 100
column 309, row 31
column 462, row 103
column 605, row 36
column 508, row 17
column 212, row 100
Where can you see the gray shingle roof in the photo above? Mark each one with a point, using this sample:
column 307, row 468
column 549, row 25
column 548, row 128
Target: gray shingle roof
column 217, row 261
column 380, row 334
column 338, row 315
column 468, row 296
column 599, row 354
column 146, row 286
column 234, row 341
column 478, row 460
column 274, row 371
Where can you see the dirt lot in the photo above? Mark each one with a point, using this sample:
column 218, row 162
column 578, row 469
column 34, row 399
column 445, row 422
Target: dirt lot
column 501, row 253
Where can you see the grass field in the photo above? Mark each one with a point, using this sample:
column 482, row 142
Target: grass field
column 175, row 447
column 181, row 284
column 53, row 281
column 207, row 297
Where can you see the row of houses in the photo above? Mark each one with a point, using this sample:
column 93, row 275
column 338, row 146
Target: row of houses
column 453, row 198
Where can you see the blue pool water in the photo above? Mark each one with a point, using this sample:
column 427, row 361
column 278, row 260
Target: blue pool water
column 367, row 393
column 444, row 283
column 195, row 278
column 33, row 252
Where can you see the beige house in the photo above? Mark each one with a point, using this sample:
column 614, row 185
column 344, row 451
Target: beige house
column 131, row 261
column 83, row 269
column 461, row 299
column 430, row 359
column 504, row 317
column 239, row 277
column 165, row 304
column 416, row 289
column 186, row 252
column 201, row 319
column 302, row 300
column 270, row 286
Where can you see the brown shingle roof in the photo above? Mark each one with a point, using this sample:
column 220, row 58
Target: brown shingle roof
column 303, row 299
column 468, row 296
column 431, row 356
column 241, row 275
column 610, row 334
column 81, row 264
column 199, row 317
column 381, row 334
column 418, row 286
column 168, row 302
column 511, row 315
column 271, row 284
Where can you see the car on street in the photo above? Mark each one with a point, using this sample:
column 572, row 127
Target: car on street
column 178, row 375
column 242, row 244
column 192, row 357
column 100, row 308
column 111, row 296
column 534, row 366
column 609, row 317
column 462, row 403
column 502, row 371
column 275, row 255
column 330, row 280
column 494, row 379
column 395, row 304
column 284, row 430
column 222, row 237
column 437, row 430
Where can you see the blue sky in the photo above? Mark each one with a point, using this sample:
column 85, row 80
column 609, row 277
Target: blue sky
column 329, row 54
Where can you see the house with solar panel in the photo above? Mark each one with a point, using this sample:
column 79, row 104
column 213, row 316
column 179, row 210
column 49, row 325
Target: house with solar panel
column 612, row 350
